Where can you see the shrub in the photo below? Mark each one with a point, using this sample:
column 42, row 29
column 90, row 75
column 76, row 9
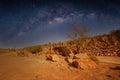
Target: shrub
column 23, row 53
column 34, row 49
column 78, row 33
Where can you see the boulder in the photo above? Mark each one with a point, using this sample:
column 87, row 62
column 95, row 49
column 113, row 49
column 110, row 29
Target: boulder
column 64, row 51
column 81, row 56
column 84, row 64
column 69, row 60
column 53, row 57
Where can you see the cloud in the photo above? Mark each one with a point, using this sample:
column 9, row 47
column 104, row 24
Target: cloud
column 57, row 20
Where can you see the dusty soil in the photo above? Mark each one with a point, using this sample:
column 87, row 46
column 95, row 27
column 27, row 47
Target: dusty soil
column 38, row 68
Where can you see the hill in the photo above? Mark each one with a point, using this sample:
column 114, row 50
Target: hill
column 100, row 45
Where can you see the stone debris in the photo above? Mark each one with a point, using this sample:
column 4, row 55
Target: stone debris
column 53, row 57
column 84, row 64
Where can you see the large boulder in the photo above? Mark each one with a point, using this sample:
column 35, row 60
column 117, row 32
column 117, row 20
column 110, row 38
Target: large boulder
column 53, row 57
column 64, row 51
column 81, row 56
column 84, row 64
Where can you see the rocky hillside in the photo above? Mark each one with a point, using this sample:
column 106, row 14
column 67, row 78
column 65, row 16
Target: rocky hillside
column 101, row 45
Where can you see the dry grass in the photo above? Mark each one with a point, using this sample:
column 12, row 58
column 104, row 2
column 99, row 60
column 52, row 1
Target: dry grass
column 34, row 49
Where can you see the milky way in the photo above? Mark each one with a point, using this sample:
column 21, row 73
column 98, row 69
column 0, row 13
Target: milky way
column 31, row 22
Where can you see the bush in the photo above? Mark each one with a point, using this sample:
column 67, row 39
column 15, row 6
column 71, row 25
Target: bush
column 34, row 49
column 23, row 53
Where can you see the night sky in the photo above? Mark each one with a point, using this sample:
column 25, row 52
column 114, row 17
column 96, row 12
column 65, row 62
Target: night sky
column 30, row 22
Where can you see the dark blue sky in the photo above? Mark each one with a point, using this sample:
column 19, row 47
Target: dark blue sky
column 31, row 22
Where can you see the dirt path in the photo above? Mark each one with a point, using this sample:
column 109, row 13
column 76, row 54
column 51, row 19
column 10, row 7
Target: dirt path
column 32, row 68
column 114, row 60
column 38, row 68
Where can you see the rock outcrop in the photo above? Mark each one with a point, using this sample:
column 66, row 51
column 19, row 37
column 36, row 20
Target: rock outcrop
column 64, row 51
column 84, row 64
column 53, row 57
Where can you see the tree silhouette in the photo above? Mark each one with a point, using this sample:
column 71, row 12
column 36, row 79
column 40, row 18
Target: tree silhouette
column 78, row 34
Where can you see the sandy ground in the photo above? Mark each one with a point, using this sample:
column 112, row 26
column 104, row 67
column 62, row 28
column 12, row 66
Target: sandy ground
column 38, row 68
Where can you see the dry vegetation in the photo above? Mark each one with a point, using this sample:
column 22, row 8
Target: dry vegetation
column 34, row 49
